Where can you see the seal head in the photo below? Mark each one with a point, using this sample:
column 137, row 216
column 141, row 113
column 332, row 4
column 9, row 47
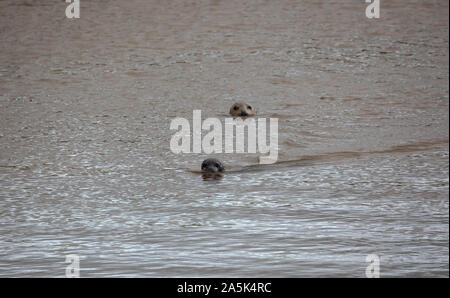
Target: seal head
column 212, row 165
column 241, row 109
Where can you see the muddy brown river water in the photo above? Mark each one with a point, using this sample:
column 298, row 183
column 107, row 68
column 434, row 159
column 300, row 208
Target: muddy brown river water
column 86, row 167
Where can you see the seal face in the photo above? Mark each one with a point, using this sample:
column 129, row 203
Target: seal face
column 212, row 165
column 242, row 109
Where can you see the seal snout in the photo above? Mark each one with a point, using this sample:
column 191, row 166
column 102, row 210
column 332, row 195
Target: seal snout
column 212, row 165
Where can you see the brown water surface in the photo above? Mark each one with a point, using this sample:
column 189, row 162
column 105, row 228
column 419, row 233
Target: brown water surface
column 86, row 168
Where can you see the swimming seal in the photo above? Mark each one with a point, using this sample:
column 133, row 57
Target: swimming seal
column 212, row 169
column 242, row 109
column 212, row 165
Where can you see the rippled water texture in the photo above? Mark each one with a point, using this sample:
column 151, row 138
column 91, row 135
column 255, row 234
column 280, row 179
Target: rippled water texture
column 86, row 168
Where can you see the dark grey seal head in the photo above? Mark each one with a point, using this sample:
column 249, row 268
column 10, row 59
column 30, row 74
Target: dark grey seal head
column 212, row 165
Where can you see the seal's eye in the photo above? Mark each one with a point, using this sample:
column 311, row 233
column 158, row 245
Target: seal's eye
column 249, row 107
column 217, row 165
column 235, row 108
